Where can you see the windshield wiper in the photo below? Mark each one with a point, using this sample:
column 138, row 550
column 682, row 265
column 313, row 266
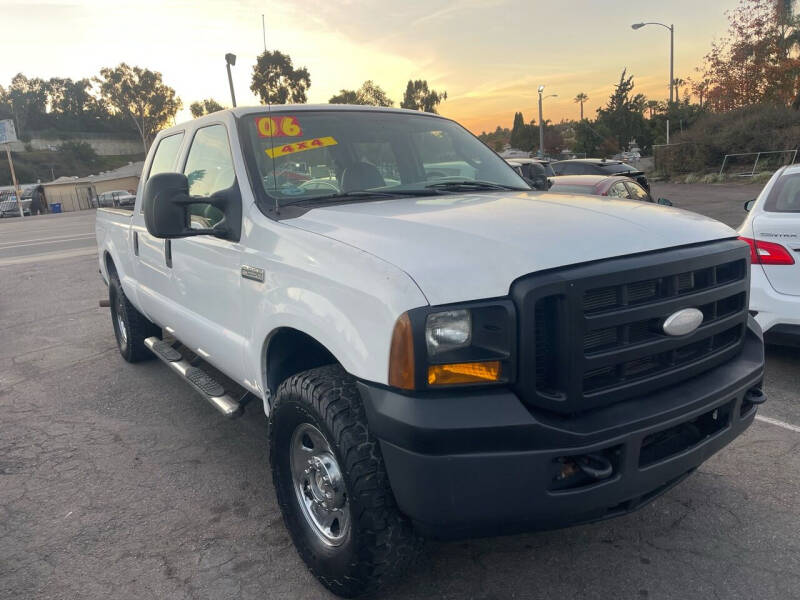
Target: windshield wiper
column 362, row 194
column 473, row 184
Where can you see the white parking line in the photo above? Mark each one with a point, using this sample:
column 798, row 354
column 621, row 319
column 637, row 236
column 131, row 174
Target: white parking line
column 788, row 426
column 40, row 240
column 12, row 245
column 46, row 256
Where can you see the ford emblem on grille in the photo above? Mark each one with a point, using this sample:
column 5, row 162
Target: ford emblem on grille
column 682, row 322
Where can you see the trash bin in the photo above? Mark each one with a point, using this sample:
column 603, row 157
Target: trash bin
column 55, row 207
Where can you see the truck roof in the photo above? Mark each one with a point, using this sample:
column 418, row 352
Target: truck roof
column 242, row 111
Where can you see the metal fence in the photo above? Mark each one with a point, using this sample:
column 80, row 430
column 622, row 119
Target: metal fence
column 739, row 164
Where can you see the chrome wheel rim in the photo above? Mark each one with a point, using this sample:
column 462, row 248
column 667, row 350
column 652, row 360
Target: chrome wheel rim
column 319, row 485
column 123, row 331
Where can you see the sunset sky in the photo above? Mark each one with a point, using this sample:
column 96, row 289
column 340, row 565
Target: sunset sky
column 490, row 55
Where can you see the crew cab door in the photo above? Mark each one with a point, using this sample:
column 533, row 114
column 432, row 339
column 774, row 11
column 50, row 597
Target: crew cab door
column 206, row 270
column 150, row 254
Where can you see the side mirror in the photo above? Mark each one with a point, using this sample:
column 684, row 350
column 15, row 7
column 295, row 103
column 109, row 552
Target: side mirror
column 166, row 205
column 748, row 206
column 664, row 202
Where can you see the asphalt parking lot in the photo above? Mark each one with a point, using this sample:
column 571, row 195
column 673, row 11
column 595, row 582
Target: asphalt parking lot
column 117, row 481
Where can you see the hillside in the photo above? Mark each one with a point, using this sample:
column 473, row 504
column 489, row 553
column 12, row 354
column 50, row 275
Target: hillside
column 44, row 165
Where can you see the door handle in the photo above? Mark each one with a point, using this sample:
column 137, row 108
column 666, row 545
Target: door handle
column 136, row 243
column 168, row 252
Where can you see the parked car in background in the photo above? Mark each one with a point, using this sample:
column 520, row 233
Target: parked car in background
column 115, row 199
column 535, row 170
column 614, row 186
column 8, row 205
column 772, row 230
column 600, row 166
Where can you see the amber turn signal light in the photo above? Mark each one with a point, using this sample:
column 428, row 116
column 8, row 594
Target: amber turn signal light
column 476, row 372
column 401, row 355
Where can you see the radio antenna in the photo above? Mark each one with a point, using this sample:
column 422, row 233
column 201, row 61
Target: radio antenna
column 271, row 122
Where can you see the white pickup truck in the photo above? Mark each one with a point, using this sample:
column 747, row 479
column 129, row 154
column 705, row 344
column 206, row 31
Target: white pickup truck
column 438, row 355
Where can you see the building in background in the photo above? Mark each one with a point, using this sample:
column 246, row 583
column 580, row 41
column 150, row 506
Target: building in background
column 78, row 193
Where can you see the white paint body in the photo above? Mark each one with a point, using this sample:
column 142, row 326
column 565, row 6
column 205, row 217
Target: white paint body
column 343, row 274
column 775, row 289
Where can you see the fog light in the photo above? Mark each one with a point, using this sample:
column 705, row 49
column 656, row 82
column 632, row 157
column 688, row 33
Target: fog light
column 464, row 373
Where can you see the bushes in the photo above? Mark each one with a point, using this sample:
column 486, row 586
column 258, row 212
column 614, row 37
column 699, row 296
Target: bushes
column 756, row 128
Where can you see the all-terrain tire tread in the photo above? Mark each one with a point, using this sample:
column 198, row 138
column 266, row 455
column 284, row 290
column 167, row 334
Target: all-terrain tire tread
column 139, row 326
column 388, row 544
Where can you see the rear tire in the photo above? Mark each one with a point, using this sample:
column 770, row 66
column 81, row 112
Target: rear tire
column 131, row 327
column 340, row 510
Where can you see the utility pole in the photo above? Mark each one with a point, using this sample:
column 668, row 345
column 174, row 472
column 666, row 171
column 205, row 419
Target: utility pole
column 17, row 191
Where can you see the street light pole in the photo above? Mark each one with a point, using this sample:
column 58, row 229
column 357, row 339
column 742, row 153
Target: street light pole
column 230, row 59
column 671, row 28
column 541, row 121
column 541, row 124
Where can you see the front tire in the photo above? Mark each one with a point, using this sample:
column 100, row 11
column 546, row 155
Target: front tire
column 332, row 486
column 131, row 327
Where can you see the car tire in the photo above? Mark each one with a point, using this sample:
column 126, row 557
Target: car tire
column 131, row 327
column 318, row 415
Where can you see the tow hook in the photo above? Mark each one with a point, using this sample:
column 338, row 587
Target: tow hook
column 755, row 396
column 595, row 466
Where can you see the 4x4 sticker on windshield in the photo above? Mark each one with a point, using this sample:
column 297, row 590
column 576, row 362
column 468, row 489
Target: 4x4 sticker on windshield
column 320, row 142
column 270, row 127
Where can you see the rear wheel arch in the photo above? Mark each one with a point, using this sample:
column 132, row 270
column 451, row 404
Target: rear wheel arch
column 108, row 261
column 288, row 351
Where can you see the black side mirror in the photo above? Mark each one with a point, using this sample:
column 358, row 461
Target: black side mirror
column 748, row 206
column 166, row 205
column 664, row 202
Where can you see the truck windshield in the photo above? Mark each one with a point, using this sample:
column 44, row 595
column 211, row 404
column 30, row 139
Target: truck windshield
column 308, row 155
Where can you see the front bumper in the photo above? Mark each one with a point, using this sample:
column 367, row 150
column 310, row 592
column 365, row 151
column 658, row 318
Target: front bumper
column 482, row 463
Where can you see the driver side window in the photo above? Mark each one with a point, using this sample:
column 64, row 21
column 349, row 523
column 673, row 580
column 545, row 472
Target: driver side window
column 209, row 169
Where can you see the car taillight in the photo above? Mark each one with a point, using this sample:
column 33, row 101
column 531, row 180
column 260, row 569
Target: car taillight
column 767, row 253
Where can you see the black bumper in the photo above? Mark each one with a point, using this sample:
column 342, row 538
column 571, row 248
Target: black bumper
column 473, row 464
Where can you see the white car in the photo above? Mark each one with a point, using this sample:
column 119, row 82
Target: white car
column 772, row 229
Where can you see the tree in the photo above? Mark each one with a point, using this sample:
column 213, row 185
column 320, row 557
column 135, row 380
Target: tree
column 276, row 81
column 699, row 89
column 369, row 94
column 653, row 106
column 419, row 97
column 523, row 136
column 28, row 101
column 758, row 60
column 677, row 82
column 205, row 107
column 623, row 114
column 580, row 99
column 141, row 95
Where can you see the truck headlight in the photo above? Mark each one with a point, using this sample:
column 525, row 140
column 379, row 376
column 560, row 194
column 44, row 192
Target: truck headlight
column 472, row 344
column 448, row 330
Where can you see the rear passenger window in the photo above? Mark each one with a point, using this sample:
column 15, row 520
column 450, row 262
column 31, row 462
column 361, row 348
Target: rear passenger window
column 785, row 195
column 166, row 154
column 209, row 169
column 618, row 190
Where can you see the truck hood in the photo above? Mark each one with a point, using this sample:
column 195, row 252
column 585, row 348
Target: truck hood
column 463, row 247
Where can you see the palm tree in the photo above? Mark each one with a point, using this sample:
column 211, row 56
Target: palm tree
column 653, row 106
column 678, row 82
column 581, row 98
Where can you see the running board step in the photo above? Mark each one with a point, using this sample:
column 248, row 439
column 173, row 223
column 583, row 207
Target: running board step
column 201, row 381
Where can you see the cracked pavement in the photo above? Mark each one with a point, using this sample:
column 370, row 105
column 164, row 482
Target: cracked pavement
column 118, row 481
